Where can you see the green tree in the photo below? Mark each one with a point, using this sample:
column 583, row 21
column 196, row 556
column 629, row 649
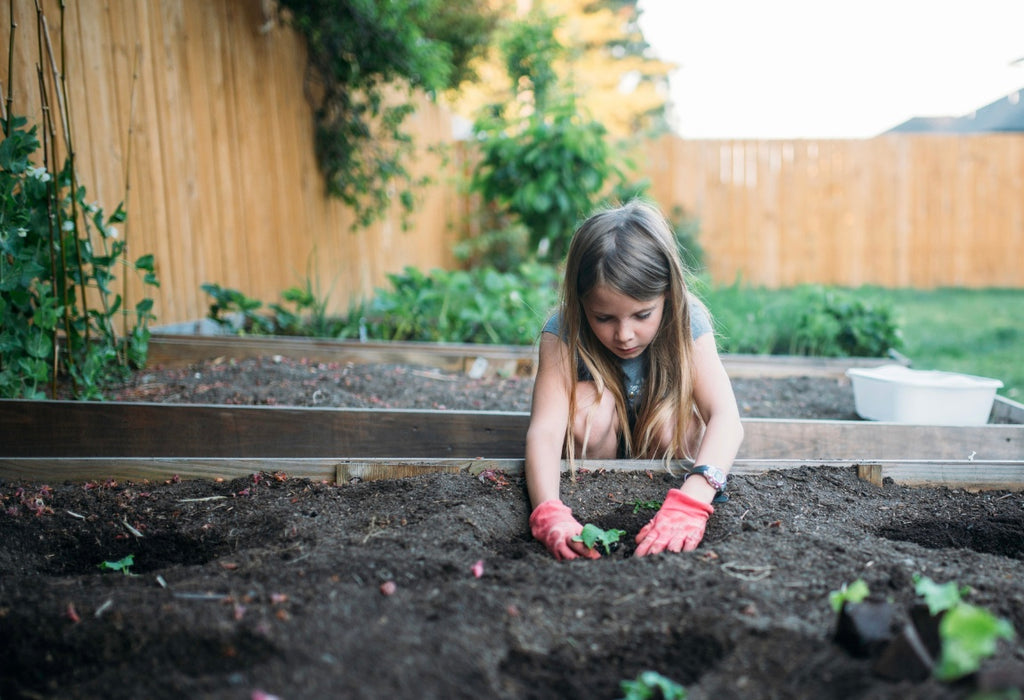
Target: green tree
column 544, row 162
column 605, row 58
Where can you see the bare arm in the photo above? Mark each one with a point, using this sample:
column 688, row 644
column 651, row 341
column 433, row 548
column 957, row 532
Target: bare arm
column 549, row 416
column 717, row 405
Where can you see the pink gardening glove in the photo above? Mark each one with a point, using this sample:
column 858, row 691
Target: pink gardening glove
column 677, row 526
column 552, row 523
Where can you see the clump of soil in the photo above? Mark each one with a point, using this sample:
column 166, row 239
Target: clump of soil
column 431, row 586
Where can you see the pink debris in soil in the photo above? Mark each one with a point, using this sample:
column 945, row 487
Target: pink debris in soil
column 478, row 568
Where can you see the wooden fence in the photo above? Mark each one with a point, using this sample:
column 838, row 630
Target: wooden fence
column 214, row 136
column 896, row 211
column 200, row 106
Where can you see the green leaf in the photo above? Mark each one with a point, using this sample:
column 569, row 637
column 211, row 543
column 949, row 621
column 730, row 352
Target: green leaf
column 592, row 535
column 854, row 593
column 122, row 565
column 969, row 635
column 938, row 597
column 39, row 345
column 651, row 684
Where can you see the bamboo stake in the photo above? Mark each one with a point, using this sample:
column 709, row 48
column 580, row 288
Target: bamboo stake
column 8, row 104
column 123, row 348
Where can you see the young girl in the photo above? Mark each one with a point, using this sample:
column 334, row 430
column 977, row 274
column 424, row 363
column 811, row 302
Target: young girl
column 629, row 368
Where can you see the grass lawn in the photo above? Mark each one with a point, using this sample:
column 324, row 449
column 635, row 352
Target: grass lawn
column 975, row 331
column 972, row 331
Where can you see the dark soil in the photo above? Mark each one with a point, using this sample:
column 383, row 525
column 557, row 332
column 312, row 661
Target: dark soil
column 282, row 381
column 431, row 586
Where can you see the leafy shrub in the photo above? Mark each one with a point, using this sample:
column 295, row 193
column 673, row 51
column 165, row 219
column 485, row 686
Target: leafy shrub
column 809, row 320
column 233, row 310
column 58, row 255
column 475, row 306
column 543, row 163
column 547, row 173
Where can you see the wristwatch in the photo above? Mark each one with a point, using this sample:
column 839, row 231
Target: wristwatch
column 713, row 475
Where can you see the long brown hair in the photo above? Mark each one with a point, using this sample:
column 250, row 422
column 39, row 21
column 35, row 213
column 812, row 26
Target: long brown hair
column 632, row 250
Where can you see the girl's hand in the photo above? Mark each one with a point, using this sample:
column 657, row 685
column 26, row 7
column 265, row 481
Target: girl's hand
column 677, row 526
column 552, row 523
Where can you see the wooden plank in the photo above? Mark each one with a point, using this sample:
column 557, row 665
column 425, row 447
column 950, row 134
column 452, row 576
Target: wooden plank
column 141, row 429
column 27, row 429
column 868, row 440
column 1007, row 409
column 964, row 474
column 139, row 469
column 975, row 476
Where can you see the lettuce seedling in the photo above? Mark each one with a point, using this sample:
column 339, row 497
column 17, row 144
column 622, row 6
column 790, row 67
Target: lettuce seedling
column 856, row 592
column 122, row 565
column 969, row 633
column 592, row 535
column 651, row 684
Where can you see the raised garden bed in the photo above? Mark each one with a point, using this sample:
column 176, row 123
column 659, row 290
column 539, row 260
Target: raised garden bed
column 264, row 582
column 261, row 403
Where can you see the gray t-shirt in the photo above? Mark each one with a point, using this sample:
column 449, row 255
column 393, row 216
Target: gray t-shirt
column 634, row 368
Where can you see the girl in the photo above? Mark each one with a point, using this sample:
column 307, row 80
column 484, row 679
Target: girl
column 629, row 367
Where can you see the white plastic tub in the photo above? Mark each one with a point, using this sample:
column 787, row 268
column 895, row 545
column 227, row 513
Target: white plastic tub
column 898, row 394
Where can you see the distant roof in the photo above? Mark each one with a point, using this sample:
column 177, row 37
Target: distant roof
column 1005, row 114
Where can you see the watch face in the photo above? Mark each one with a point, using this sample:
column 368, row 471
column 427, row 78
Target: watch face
column 714, row 475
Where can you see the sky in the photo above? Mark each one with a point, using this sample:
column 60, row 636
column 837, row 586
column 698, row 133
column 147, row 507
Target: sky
column 832, row 68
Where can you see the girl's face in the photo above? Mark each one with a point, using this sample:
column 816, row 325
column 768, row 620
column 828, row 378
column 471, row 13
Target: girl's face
column 624, row 325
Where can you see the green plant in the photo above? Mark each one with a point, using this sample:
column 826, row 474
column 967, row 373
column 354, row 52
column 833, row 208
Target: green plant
column 593, row 535
column 123, row 565
column 639, row 505
column 474, row 306
column 233, row 309
column 362, row 55
column 58, row 257
column 543, row 162
column 856, row 592
column 237, row 312
column 969, row 633
column 805, row 320
column 651, row 685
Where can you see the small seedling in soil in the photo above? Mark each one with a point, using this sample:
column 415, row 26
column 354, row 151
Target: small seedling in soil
column 122, row 565
column 639, row 505
column 969, row 633
column 592, row 535
column 853, row 593
column 650, row 685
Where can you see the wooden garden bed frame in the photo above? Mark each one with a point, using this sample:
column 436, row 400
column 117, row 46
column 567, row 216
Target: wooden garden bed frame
column 88, row 441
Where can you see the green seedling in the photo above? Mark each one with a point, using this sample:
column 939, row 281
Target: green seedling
column 592, row 535
column 639, row 505
column 969, row 633
column 856, row 592
column 122, row 565
column 651, row 684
